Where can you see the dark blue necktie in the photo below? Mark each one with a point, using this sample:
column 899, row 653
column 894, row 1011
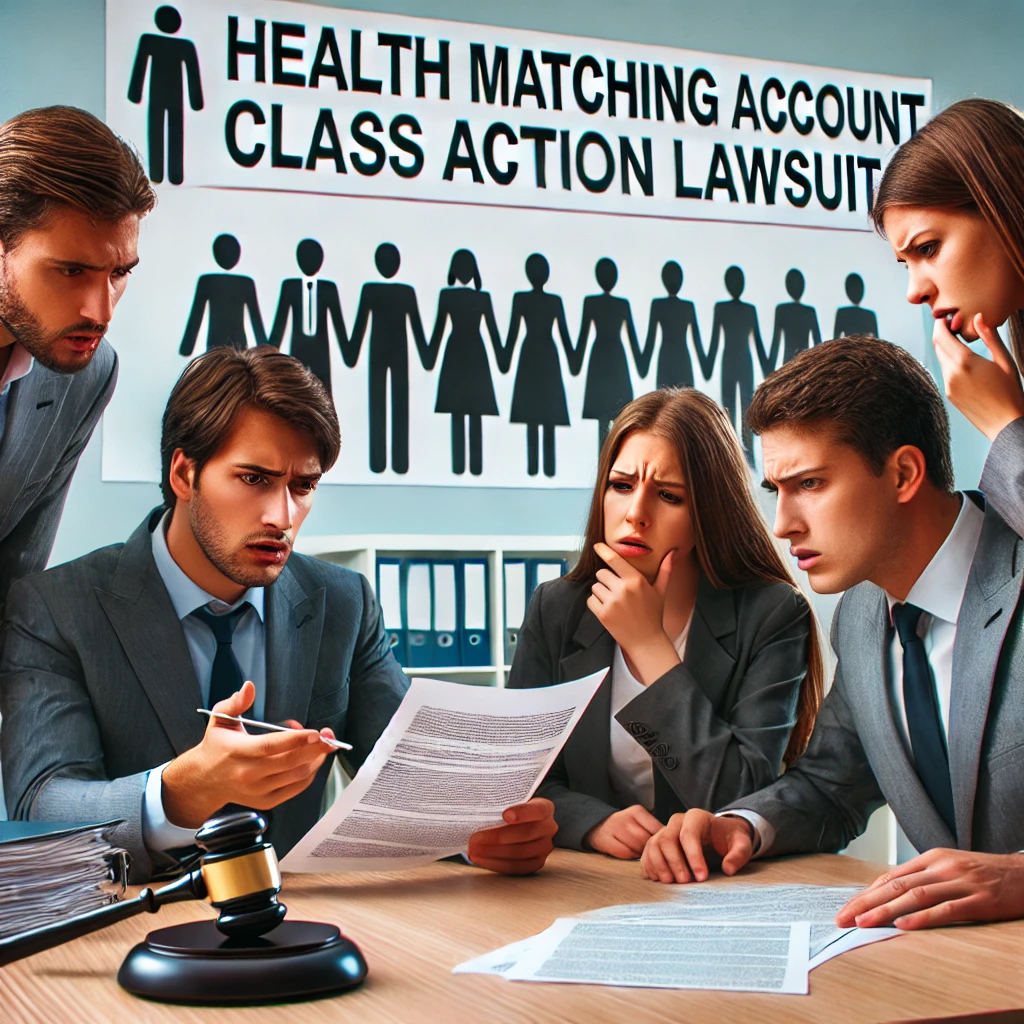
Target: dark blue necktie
column 923, row 720
column 226, row 676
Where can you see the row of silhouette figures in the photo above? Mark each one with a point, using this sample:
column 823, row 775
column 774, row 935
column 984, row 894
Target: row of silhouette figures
column 311, row 306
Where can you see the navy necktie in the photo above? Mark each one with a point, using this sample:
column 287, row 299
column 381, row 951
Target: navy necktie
column 923, row 720
column 226, row 676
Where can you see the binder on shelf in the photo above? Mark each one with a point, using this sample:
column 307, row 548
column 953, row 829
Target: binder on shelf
column 419, row 612
column 444, row 635
column 515, row 581
column 389, row 597
column 474, row 627
column 543, row 570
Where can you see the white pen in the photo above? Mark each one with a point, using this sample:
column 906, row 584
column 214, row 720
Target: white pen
column 337, row 744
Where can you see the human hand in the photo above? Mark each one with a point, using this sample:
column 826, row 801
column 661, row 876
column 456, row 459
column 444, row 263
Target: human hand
column 522, row 844
column 624, row 833
column 631, row 609
column 987, row 392
column 941, row 887
column 230, row 765
column 676, row 853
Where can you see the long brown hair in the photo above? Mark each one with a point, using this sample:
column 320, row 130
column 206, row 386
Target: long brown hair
column 734, row 548
column 970, row 156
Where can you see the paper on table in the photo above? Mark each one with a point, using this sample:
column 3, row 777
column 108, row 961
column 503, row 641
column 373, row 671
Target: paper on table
column 500, row 961
column 450, row 761
column 729, row 955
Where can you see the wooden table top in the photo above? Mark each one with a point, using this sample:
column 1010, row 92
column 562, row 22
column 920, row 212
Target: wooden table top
column 415, row 926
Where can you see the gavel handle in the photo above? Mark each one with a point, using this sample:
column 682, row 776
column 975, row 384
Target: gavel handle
column 188, row 887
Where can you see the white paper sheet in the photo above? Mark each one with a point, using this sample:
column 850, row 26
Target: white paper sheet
column 450, row 761
column 730, row 955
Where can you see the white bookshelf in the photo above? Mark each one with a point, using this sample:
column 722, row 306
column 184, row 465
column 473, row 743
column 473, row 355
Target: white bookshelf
column 360, row 552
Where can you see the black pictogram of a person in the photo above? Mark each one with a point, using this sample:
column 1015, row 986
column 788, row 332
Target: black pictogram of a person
column 853, row 319
column 796, row 325
column 676, row 317
column 309, row 301
column 390, row 309
column 465, row 389
column 608, row 386
column 538, row 397
column 736, row 321
column 169, row 58
column 228, row 296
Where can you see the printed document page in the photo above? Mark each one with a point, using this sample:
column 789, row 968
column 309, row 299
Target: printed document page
column 729, row 955
column 447, row 765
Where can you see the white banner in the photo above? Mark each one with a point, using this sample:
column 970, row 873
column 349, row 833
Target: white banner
column 483, row 239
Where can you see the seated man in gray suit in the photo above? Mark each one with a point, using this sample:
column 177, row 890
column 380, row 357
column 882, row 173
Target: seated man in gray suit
column 926, row 711
column 71, row 197
column 106, row 658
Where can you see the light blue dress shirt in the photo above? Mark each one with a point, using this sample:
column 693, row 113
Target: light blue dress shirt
column 19, row 364
column 249, row 646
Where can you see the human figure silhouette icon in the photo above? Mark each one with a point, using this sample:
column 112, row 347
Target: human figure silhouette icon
column 608, row 388
column 853, row 319
column 538, row 396
column 229, row 296
column 309, row 302
column 465, row 389
column 676, row 317
column 390, row 310
column 796, row 325
column 167, row 58
column 736, row 323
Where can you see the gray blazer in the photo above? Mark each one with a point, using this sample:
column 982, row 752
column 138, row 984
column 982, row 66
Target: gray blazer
column 97, row 685
column 856, row 760
column 50, row 418
column 716, row 726
column 1002, row 479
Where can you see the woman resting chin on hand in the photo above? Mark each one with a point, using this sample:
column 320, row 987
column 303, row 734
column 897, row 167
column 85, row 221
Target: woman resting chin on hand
column 715, row 672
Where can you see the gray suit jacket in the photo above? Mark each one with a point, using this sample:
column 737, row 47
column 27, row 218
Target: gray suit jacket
column 97, row 685
column 856, row 760
column 716, row 726
column 50, row 418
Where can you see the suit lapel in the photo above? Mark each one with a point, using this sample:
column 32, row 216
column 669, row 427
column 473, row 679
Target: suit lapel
column 33, row 410
column 294, row 626
column 140, row 611
column 993, row 589
column 714, row 617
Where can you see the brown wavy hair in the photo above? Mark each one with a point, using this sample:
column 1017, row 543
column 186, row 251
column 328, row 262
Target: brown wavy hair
column 971, row 157
column 734, row 547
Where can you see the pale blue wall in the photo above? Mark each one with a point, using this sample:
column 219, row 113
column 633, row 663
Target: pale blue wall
column 51, row 51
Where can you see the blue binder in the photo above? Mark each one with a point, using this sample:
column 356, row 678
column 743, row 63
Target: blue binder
column 389, row 597
column 445, row 632
column 516, row 593
column 542, row 570
column 418, row 607
column 475, row 611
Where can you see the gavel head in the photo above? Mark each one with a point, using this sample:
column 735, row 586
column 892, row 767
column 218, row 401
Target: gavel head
column 240, row 871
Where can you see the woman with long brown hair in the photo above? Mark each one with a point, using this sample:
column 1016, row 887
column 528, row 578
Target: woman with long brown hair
column 715, row 670
column 951, row 204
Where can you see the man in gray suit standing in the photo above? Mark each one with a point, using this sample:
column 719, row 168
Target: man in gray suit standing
column 72, row 195
column 106, row 658
column 926, row 711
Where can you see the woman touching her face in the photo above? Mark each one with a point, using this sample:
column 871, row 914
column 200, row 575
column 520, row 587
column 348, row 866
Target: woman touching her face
column 951, row 205
column 715, row 671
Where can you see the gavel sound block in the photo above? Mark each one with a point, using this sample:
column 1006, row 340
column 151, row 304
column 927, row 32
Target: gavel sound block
column 250, row 954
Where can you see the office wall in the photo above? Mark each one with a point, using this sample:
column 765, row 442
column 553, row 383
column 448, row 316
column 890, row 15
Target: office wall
column 51, row 51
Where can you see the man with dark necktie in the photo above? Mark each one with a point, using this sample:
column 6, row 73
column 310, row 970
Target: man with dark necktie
column 927, row 709
column 206, row 606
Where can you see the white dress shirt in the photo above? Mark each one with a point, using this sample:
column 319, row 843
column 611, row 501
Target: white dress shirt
column 939, row 593
column 630, row 769
column 248, row 646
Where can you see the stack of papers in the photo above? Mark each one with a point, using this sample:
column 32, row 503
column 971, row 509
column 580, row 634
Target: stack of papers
column 752, row 938
column 52, row 872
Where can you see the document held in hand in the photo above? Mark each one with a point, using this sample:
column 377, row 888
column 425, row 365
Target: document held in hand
column 449, row 762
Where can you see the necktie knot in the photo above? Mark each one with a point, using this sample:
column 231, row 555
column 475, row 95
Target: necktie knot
column 222, row 626
column 905, row 618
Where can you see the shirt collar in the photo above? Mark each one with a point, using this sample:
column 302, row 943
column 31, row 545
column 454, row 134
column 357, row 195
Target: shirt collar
column 19, row 364
column 186, row 595
column 939, row 590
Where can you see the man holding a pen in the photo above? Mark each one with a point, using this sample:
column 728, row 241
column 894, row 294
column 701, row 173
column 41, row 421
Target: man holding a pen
column 106, row 658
